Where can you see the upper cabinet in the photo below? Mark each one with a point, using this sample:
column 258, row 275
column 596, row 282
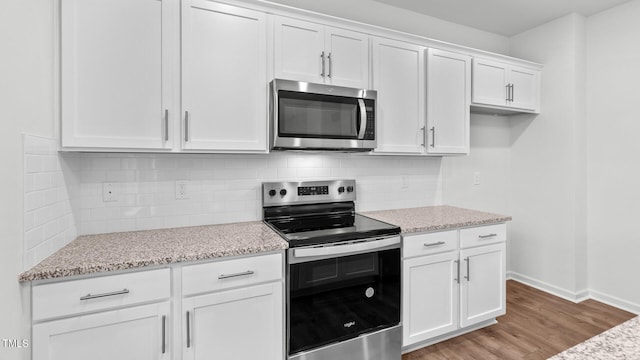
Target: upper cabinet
column 224, row 77
column 306, row 51
column 420, row 114
column 448, row 101
column 506, row 87
column 399, row 78
column 116, row 74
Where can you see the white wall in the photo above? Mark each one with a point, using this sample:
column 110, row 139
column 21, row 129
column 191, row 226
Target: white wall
column 547, row 189
column 375, row 13
column 26, row 98
column 489, row 157
column 613, row 63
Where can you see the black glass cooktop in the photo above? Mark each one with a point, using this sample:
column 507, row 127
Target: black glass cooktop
column 314, row 228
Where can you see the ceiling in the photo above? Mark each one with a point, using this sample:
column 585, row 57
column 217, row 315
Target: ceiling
column 504, row 17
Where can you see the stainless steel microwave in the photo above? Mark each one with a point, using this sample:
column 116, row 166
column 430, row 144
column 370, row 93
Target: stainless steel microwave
column 307, row 116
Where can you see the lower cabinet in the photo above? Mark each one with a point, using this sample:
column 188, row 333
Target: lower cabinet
column 243, row 323
column 452, row 280
column 136, row 333
column 226, row 309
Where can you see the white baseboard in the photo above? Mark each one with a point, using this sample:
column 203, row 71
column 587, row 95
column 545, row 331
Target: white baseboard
column 615, row 302
column 575, row 297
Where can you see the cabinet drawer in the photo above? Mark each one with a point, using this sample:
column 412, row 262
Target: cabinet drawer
column 483, row 235
column 99, row 293
column 424, row 244
column 230, row 273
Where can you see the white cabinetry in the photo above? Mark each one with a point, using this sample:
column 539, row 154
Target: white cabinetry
column 448, row 102
column 399, row 78
column 448, row 287
column 116, row 74
column 224, row 84
column 504, row 86
column 101, row 320
column 306, row 51
column 245, row 320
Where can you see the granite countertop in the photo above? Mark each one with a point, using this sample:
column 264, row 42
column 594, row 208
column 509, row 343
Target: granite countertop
column 434, row 218
column 117, row 251
column 620, row 342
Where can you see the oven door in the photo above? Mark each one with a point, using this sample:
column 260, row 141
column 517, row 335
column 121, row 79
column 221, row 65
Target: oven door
column 316, row 116
column 340, row 292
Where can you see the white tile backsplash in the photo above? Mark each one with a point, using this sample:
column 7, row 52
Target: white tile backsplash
column 226, row 188
column 48, row 217
column 63, row 191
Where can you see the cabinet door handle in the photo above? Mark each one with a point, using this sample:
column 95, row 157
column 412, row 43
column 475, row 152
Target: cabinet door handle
column 96, row 296
column 435, row 244
column 330, row 65
column 186, row 126
column 457, row 279
column 166, row 125
column 188, row 329
column 508, row 88
column 433, row 136
column 322, row 57
column 244, row 273
column 468, row 277
column 164, row 334
column 487, row 236
column 512, row 92
column 423, row 129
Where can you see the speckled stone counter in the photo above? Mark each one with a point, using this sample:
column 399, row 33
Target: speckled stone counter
column 434, row 218
column 118, row 251
column 620, row 342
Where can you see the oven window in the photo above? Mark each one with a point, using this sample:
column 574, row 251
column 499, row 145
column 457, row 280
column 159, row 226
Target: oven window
column 340, row 298
column 317, row 116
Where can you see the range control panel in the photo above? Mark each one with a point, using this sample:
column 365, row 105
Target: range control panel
column 307, row 192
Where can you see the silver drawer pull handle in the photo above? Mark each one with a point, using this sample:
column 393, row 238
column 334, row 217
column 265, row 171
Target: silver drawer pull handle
column 487, row 236
column 435, row 244
column 223, row 276
column 89, row 296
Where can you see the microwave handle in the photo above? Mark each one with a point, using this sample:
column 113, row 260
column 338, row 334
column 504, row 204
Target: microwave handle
column 363, row 119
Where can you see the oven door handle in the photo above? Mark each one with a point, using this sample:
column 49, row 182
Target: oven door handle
column 338, row 250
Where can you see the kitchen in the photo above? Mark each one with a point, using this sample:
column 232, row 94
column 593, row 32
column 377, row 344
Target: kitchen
column 568, row 183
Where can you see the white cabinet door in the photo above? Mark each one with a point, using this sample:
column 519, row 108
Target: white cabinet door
column 347, row 58
column 525, row 88
column 483, row 289
column 224, row 85
column 115, row 74
column 430, row 297
column 299, row 50
column 242, row 324
column 137, row 333
column 448, row 102
column 398, row 76
column 490, row 82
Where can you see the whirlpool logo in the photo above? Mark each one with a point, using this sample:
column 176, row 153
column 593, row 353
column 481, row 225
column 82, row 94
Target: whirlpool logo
column 349, row 324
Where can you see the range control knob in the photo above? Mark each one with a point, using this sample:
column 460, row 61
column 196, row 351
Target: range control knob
column 272, row 193
column 283, row 192
column 349, row 188
column 341, row 189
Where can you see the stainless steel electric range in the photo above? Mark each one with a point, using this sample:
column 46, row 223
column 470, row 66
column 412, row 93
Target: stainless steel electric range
column 343, row 273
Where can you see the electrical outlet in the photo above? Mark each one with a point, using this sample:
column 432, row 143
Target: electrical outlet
column 110, row 192
column 476, row 178
column 181, row 190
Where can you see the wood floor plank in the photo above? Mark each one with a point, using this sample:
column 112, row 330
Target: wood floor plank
column 537, row 325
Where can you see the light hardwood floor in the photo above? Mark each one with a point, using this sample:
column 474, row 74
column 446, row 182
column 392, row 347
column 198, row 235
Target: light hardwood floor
column 537, row 325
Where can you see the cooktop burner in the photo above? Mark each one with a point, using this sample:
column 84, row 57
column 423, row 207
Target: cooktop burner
column 319, row 212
